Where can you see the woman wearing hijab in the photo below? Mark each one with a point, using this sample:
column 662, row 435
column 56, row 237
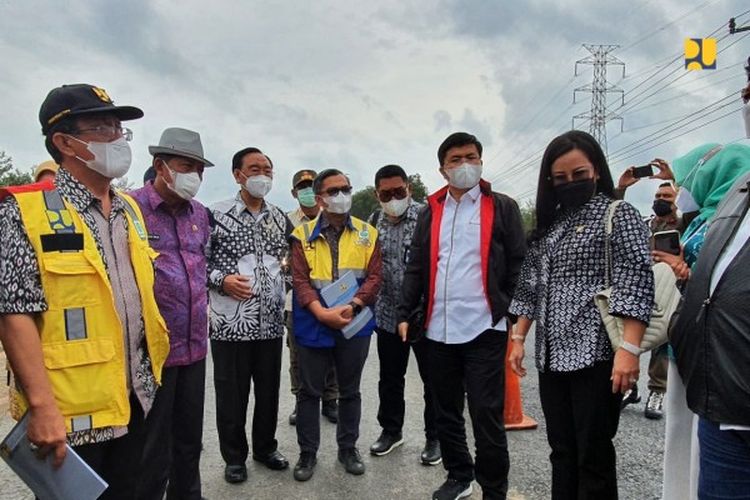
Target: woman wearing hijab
column 581, row 379
column 704, row 175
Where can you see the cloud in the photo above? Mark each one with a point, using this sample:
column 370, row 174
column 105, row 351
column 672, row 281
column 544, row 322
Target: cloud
column 354, row 85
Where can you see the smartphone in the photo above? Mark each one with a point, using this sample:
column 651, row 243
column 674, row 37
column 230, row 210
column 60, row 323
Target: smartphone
column 643, row 171
column 667, row 241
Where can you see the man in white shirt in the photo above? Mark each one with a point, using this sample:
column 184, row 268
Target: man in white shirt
column 465, row 258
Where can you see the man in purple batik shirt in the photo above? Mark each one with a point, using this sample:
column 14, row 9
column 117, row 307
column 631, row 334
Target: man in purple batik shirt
column 179, row 230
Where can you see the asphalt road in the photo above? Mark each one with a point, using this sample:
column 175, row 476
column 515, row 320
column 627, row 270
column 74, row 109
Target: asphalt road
column 399, row 475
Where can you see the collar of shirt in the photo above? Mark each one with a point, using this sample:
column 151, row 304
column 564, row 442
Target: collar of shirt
column 155, row 200
column 472, row 194
column 79, row 195
column 325, row 223
column 239, row 207
column 300, row 215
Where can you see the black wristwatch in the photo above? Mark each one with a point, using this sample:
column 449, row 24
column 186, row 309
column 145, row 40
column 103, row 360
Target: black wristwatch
column 356, row 308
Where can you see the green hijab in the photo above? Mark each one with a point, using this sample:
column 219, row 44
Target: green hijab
column 709, row 182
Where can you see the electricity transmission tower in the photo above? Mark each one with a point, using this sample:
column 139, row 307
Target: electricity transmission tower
column 600, row 58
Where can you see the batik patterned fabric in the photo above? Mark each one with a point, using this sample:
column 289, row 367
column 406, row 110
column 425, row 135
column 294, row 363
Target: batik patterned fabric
column 395, row 241
column 181, row 237
column 253, row 245
column 563, row 271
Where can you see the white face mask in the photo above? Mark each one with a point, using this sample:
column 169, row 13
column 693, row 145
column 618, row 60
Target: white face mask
column 464, row 177
column 746, row 116
column 111, row 159
column 339, row 204
column 185, row 186
column 395, row 208
column 258, row 185
column 685, row 201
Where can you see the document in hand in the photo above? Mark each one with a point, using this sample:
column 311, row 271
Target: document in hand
column 340, row 293
column 74, row 480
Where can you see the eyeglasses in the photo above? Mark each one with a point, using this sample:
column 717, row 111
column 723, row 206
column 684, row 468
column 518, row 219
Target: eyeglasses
column 387, row 195
column 108, row 132
column 333, row 191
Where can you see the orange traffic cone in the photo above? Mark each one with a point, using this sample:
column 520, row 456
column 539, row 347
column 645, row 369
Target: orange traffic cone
column 514, row 418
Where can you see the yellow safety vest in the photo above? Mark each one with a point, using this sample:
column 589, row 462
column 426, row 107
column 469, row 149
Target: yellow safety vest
column 355, row 249
column 81, row 332
column 356, row 245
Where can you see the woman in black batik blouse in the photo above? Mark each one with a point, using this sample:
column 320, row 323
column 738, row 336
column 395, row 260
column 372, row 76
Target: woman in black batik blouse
column 581, row 380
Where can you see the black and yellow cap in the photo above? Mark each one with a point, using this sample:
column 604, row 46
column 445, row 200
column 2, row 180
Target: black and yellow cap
column 303, row 175
column 79, row 99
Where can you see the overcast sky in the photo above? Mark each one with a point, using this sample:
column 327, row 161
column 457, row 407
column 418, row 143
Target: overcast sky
column 357, row 85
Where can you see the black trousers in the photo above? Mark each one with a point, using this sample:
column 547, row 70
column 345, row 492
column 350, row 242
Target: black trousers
column 394, row 359
column 349, row 357
column 477, row 369
column 118, row 461
column 175, row 434
column 332, row 389
column 236, row 365
column 582, row 416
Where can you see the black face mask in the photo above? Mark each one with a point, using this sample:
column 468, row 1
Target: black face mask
column 662, row 207
column 574, row 194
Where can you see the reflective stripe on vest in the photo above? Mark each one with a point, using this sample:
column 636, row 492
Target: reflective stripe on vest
column 61, row 222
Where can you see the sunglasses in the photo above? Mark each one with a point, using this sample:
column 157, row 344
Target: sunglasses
column 334, row 191
column 399, row 193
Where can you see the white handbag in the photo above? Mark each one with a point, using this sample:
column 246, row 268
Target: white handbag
column 666, row 297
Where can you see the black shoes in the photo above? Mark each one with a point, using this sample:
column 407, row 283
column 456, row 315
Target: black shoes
column 293, row 416
column 630, row 397
column 330, row 410
column 274, row 460
column 452, row 490
column 305, row 466
column 431, row 454
column 352, row 461
column 235, row 474
column 386, row 443
column 307, row 461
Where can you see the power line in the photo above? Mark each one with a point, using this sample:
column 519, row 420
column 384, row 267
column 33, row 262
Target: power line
column 662, row 28
column 536, row 115
column 634, row 102
column 665, row 130
column 732, row 112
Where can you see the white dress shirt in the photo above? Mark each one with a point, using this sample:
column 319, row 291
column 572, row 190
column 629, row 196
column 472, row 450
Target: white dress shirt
column 460, row 310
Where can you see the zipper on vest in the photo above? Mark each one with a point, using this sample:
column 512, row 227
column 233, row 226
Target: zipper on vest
column 445, row 281
column 704, row 310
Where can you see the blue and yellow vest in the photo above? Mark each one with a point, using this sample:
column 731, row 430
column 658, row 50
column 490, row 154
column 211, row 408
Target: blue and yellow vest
column 356, row 246
column 81, row 333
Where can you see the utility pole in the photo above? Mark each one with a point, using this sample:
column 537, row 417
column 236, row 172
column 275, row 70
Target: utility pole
column 600, row 58
column 734, row 29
